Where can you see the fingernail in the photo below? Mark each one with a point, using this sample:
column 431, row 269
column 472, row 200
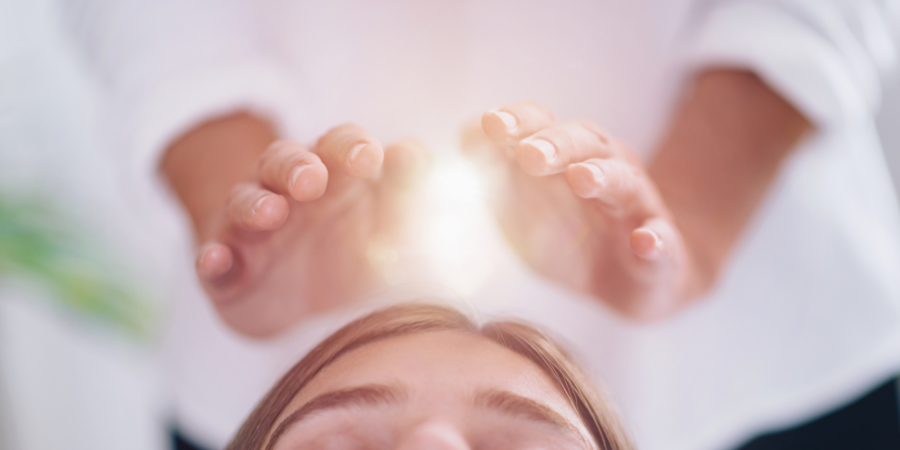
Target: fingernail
column 508, row 119
column 657, row 241
column 296, row 174
column 257, row 204
column 597, row 174
column 354, row 152
column 657, row 245
column 545, row 147
column 203, row 251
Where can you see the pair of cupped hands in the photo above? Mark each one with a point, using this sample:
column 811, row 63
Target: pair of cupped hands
column 575, row 204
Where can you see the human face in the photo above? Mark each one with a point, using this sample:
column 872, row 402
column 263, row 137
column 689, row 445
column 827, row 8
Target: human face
column 446, row 390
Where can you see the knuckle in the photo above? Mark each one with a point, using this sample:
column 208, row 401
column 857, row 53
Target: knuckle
column 278, row 146
column 237, row 191
column 596, row 131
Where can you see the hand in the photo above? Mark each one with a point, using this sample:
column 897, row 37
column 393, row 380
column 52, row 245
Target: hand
column 295, row 240
column 580, row 209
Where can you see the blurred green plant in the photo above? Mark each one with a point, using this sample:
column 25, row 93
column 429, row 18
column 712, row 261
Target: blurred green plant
column 42, row 246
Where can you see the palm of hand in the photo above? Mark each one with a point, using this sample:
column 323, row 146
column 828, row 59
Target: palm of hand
column 580, row 209
column 296, row 242
column 561, row 236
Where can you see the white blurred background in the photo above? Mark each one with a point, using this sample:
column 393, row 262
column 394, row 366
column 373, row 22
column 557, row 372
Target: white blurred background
column 71, row 376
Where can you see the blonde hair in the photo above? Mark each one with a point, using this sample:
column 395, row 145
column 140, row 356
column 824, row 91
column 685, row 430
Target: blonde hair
column 584, row 396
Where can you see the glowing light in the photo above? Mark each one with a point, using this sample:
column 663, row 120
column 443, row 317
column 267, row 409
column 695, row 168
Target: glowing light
column 455, row 180
column 455, row 233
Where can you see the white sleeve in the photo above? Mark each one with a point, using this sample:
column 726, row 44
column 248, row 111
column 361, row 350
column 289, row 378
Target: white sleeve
column 165, row 66
column 830, row 58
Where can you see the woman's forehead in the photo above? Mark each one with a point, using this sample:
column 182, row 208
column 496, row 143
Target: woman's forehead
column 459, row 377
column 443, row 366
column 447, row 358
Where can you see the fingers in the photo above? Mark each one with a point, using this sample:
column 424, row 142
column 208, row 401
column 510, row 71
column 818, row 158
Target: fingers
column 404, row 163
column 513, row 122
column 352, row 149
column 290, row 169
column 646, row 243
column 551, row 150
column 215, row 262
column 251, row 208
column 545, row 147
column 618, row 187
column 658, row 244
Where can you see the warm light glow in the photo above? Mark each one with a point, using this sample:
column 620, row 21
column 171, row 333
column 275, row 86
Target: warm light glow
column 456, row 237
column 456, row 181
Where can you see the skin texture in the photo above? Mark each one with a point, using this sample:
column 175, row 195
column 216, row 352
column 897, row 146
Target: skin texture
column 582, row 209
column 285, row 229
column 440, row 375
column 646, row 240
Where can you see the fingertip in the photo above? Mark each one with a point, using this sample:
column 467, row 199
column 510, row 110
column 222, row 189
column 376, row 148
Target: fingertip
column 270, row 212
column 364, row 159
column 585, row 179
column 646, row 244
column 307, row 182
column 500, row 125
column 214, row 261
column 537, row 156
column 288, row 168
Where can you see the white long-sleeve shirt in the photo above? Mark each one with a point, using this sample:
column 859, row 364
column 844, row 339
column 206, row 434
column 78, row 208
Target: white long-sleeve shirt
column 806, row 315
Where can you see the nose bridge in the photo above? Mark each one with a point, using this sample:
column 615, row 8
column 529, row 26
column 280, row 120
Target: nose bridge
column 435, row 434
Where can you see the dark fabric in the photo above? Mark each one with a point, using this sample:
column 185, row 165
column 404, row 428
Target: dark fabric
column 180, row 442
column 870, row 423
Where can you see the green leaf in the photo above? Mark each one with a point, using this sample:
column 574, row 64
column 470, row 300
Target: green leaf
column 42, row 246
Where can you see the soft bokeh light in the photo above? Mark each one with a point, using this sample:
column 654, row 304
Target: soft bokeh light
column 455, row 235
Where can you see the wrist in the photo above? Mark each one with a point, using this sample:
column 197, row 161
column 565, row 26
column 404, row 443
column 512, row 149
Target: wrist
column 726, row 144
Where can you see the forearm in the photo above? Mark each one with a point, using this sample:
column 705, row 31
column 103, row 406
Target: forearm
column 204, row 164
column 723, row 151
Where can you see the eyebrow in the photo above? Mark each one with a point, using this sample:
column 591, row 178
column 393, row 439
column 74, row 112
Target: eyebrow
column 367, row 395
column 372, row 395
column 515, row 405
